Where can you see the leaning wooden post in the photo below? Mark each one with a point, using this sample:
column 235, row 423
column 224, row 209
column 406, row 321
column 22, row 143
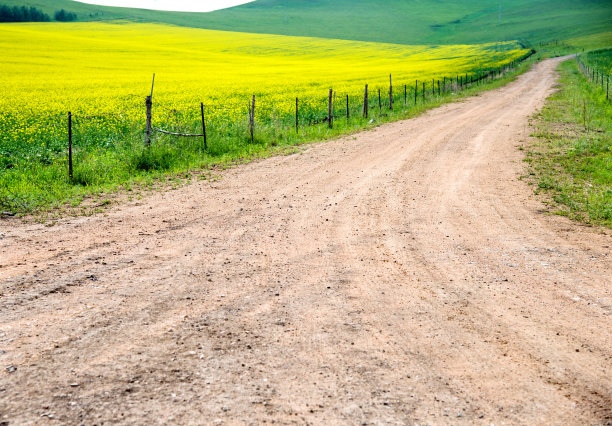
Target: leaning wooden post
column 423, row 91
column 329, row 109
column 365, row 102
column 416, row 90
column 203, row 126
column 439, row 88
column 405, row 94
column 296, row 115
column 70, row 145
column 379, row 102
column 149, row 103
column 390, row 93
column 253, row 120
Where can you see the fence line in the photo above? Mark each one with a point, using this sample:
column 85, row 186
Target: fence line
column 422, row 89
column 594, row 75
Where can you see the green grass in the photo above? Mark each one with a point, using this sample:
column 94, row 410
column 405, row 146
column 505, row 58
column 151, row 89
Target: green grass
column 600, row 60
column 45, row 189
column 571, row 160
column 389, row 21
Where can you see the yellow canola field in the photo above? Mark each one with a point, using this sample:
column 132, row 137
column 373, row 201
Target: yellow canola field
column 98, row 66
column 48, row 69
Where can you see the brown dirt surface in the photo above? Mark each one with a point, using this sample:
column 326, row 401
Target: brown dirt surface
column 402, row 275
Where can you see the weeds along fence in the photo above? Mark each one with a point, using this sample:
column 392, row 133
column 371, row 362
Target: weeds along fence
column 256, row 120
column 595, row 76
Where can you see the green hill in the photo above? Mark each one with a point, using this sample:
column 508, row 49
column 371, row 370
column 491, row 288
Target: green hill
column 391, row 21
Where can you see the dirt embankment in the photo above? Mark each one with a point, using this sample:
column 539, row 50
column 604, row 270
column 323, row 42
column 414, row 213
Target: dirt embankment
column 403, row 275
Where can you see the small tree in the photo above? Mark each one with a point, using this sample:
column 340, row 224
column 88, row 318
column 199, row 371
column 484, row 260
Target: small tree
column 64, row 16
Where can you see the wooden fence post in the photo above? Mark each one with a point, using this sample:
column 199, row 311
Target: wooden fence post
column 433, row 87
column 347, row 107
column 203, row 126
column 252, row 124
column 416, row 90
column 423, row 91
column 439, row 88
column 149, row 103
column 379, row 102
column 296, row 115
column 405, row 94
column 70, row 145
column 329, row 109
column 365, row 102
column 334, row 106
column 390, row 93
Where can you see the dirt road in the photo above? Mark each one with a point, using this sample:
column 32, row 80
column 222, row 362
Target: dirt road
column 403, row 275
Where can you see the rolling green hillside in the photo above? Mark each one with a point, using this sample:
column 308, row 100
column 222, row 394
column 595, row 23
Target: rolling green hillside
column 391, row 21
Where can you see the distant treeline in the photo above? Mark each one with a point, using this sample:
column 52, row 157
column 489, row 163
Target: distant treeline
column 32, row 14
column 22, row 14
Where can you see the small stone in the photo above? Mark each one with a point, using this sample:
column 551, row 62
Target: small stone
column 11, row 368
column 74, row 385
column 459, row 414
column 224, row 408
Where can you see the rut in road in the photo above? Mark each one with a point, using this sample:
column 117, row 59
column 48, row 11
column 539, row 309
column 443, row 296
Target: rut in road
column 402, row 275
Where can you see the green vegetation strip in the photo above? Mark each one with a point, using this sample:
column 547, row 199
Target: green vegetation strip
column 571, row 160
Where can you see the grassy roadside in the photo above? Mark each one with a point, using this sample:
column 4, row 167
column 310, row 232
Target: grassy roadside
column 570, row 160
column 173, row 161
